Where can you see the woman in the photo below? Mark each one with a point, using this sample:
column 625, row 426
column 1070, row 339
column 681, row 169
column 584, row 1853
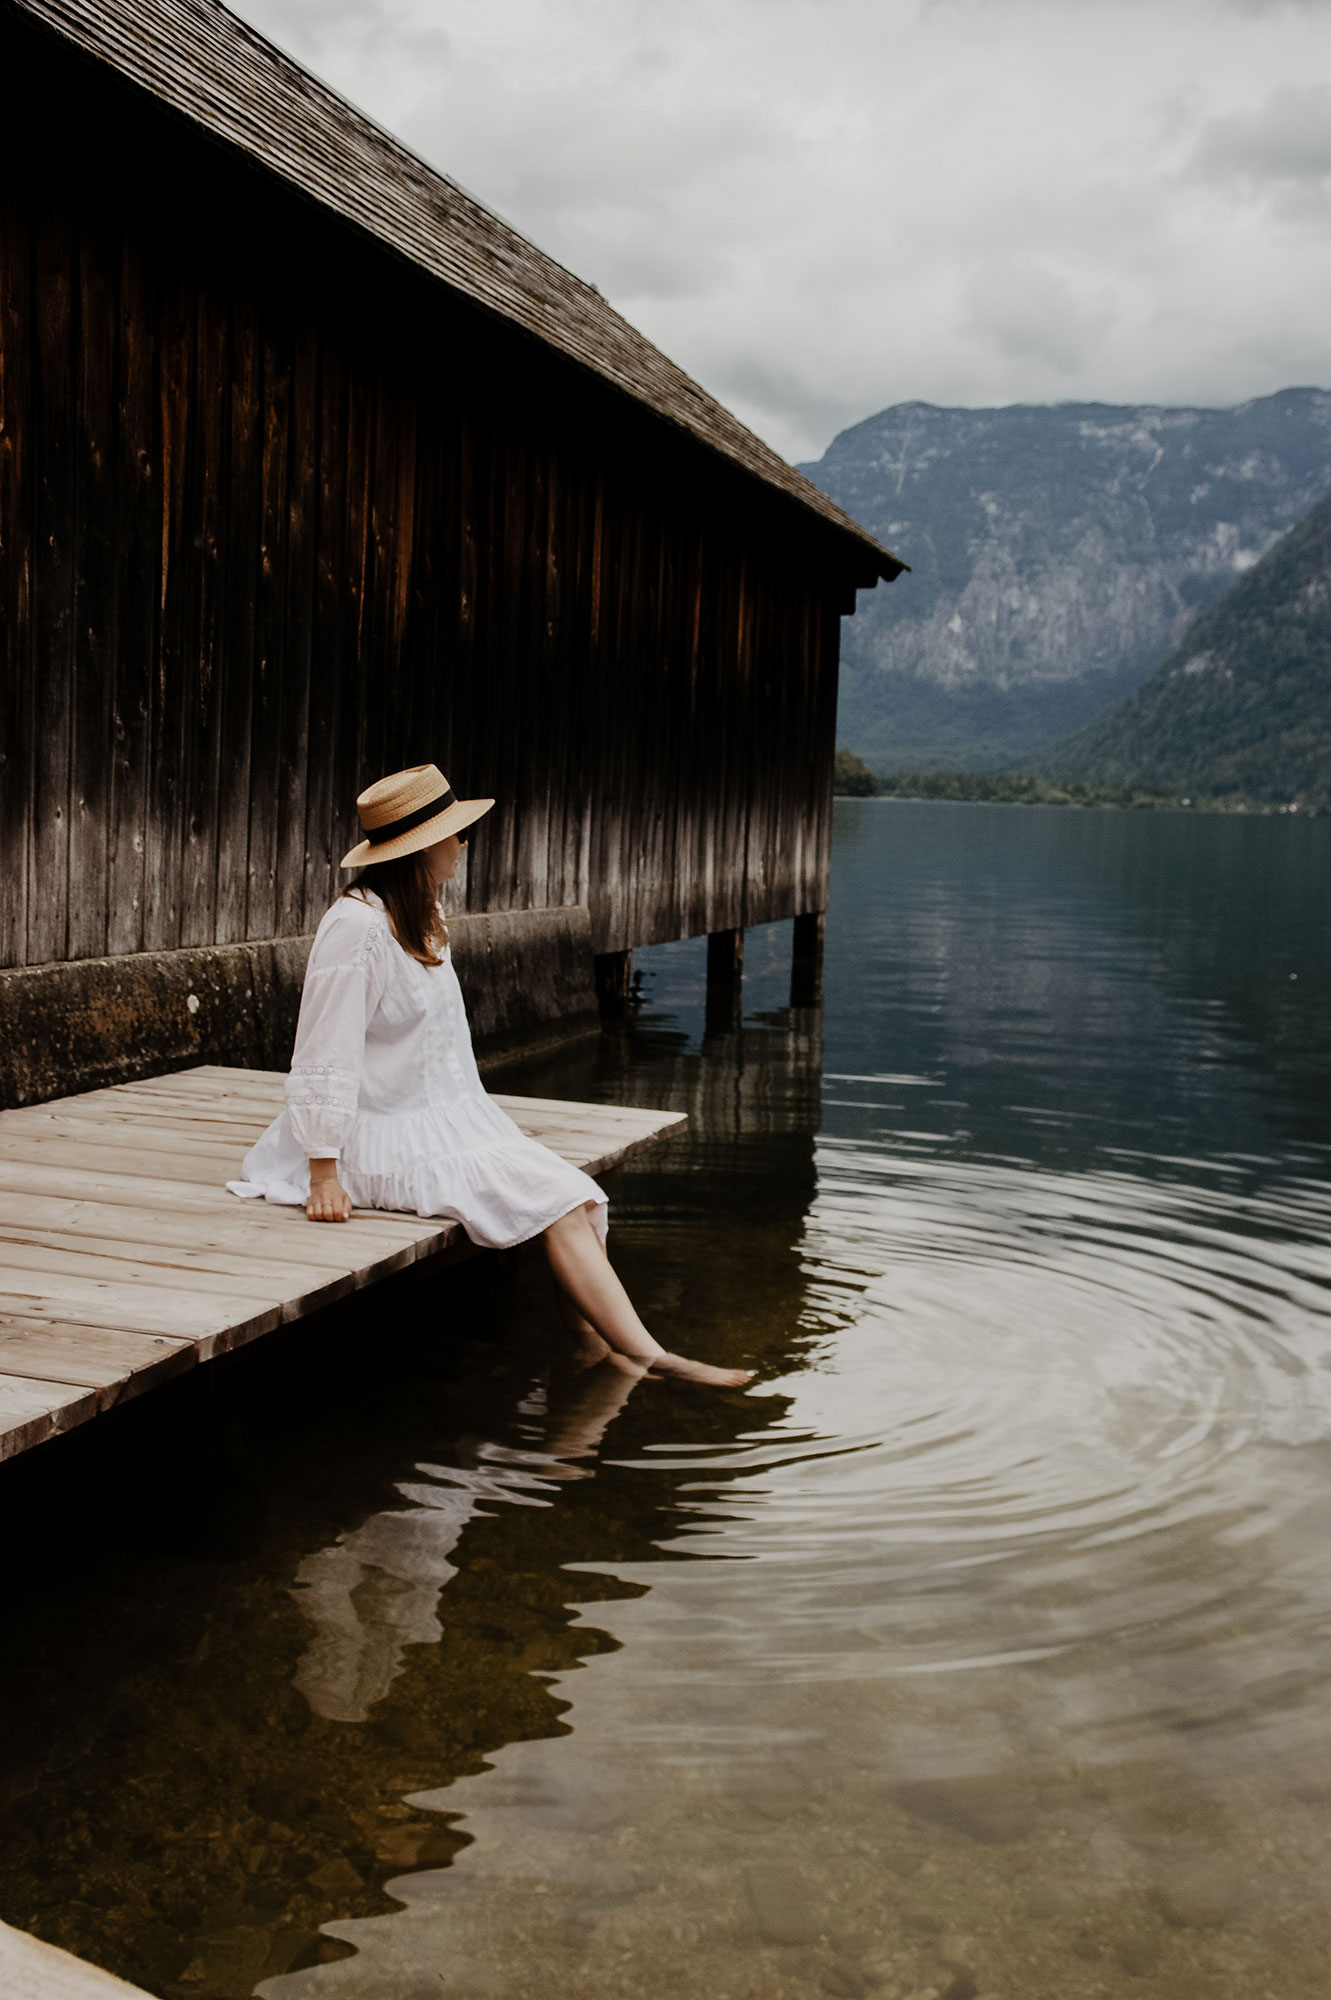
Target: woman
column 384, row 1105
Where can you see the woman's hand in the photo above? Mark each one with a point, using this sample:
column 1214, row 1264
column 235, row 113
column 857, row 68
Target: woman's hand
column 329, row 1200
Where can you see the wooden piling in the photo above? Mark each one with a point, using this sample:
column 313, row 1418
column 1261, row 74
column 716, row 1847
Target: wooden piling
column 806, row 960
column 614, row 979
column 725, row 958
column 725, row 981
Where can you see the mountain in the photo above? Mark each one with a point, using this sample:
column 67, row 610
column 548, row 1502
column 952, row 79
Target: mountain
column 1243, row 705
column 1057, row 554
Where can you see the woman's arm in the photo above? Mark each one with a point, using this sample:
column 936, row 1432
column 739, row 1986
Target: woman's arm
column 323, row 1088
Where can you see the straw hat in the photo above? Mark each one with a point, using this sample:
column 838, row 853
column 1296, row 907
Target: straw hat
column 408, row 811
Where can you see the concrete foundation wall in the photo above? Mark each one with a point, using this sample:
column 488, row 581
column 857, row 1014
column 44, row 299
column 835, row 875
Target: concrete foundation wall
column 527, row 976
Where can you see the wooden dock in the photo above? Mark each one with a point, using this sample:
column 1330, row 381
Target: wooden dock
column 124, row 1262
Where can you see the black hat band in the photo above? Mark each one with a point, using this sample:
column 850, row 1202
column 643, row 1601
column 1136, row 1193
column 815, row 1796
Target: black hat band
column 379, row 834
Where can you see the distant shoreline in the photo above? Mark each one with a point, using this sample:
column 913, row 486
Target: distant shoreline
column 989, row 788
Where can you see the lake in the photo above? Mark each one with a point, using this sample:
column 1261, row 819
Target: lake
column 982, row 1648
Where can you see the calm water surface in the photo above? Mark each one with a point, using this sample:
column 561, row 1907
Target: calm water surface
column 981, row 1649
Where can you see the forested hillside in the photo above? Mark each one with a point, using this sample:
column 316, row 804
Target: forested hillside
column 1243, row 706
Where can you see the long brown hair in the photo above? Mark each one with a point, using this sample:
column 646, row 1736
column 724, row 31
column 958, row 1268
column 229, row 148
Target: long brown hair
column 411, row 898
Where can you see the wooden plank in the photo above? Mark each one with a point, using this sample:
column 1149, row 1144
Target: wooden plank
column 197, row 1199
column 520, row 1108
column 114, row 1361
column 381, row 746
column 32, row 1410
column 212, row 1100
column 178, row 446
column 128, row 1264
column 99, row 1122
column 614, row 1156
column 200, row 1073
column 303, row 1251
column 103, row 1160
column 207, row 667
column 174, row 1148
column 225, row 1117
column 230, row 1128
column 55, row 592
column 54, row 1295
column 174, row 1143
column 265, row 744
column 17, row 556
column 261, row 1090
column 297, row 591
column 331, row 643
column 239, row 588
column 428, row 633
column 213, row 1076
column 95, row 627
column 211, row 1271
column 138, row 504
column 36, row 1128
column 235, row 1231
column 227, row 1229
column 353, row 750
column 229, row 1106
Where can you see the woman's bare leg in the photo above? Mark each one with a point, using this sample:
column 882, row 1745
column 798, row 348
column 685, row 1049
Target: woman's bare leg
column 585, row 1275
column 588, row 1346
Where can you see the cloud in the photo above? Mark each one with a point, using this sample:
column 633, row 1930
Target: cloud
column 1280, row 151
column 819, row 207
column 1034, row 314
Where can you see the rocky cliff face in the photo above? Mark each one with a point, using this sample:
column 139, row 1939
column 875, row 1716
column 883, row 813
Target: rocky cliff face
column 1057, row 556
column 1243, row 705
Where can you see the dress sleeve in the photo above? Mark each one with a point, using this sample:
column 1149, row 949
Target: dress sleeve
column 342, row 986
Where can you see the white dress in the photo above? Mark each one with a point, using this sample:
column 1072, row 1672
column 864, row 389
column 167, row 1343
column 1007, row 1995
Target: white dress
column 383, row 1079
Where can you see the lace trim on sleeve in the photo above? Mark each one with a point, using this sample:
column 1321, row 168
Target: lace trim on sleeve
column 323, row 1083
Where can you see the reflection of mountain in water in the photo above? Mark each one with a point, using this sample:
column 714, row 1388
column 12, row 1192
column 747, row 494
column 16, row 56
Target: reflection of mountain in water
column 1124, row 965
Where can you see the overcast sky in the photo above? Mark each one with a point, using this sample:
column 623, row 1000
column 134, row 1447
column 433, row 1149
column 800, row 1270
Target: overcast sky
column 820, row 207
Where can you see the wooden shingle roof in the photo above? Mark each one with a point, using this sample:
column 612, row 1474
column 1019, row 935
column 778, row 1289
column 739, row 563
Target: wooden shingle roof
column 214, row 70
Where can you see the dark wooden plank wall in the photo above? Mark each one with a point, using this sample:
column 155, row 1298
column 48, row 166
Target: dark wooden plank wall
column 279, row 516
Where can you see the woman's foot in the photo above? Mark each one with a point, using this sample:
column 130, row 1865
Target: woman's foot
column 680, row 1369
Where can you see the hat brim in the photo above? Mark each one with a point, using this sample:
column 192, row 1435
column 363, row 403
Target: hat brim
column 452, row 820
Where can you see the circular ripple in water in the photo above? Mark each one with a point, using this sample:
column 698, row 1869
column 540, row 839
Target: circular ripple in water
column 1080, row 1422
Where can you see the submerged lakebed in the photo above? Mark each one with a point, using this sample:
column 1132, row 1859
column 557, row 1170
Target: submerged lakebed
column 981, row 1648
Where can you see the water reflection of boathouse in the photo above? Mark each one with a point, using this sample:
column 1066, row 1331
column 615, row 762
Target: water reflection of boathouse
column 311, row 466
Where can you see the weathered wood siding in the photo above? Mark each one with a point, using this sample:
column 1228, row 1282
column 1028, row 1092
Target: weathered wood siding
column 277, row 514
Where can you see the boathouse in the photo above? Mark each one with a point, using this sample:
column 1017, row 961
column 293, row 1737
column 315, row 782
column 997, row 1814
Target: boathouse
column 311, row 467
